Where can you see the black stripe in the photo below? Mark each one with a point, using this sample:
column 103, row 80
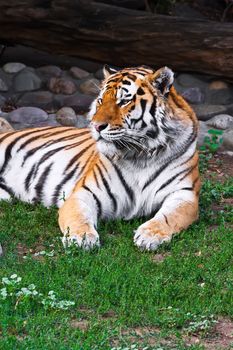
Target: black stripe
column 12, row 144
column 106, row 185
column 77, row 156
column 98, row 204
column 69, row 176
column 29, row 177
column 41, row 183
column 96, row 180
column 185, row 171
column 34, row 138
column 34, row 150
column 166, row 219
column 77, row 143
column 189, row 172
column 171, row 159
column 126, row 82
column 7, row 189
column 61, row 184
column 140, row 91
column 127, row 188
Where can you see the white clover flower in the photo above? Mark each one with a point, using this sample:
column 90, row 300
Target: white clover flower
column 5, row 280
column 31, row 286
column 3, row 293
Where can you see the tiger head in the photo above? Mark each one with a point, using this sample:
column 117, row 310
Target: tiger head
column 132, row 114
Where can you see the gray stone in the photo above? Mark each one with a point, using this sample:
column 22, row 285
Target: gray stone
column 228, row 140
column 190, row 80
column 202, row 133
column 90, row 87
column 78, row 73
column 205, row 112
column 99, row 74
column 26, row 80
column 1, row 250
column 219, row 92
column 27, row 115
column 41, row 99
column 221, row 121
column 66, row 116
column 49, row 71
column 13, row 67
column 82, row 121
column 5, row 126
column 3, row 86
column 6, row 80
column 2, row 100
column 79, row 102
column 62, row 86
column 193, row 95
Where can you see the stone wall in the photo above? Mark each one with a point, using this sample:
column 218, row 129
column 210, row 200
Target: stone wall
column 50, row 95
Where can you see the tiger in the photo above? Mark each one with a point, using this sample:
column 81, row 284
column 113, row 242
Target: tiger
column 138, row 158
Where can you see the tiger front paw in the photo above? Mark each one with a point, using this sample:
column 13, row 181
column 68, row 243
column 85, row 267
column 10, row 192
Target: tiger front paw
column 150, row 235
column 87, row 241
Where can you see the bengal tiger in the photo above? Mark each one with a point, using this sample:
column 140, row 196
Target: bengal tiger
column 138, row 158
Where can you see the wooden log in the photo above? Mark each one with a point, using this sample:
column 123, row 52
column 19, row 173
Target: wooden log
column 118, row 36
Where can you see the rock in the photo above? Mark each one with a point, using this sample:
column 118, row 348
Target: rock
column 78, row 73
column 90, row 87
column 202, row 133
column 41, row 99
column 62, row 86
column 13, row 67
column 79, row 102
column 218, row 85
column 27, row 116
column 193, row 95
column 219, row 92
column 3, row 86
column 228, row 140
column 1, row 250
column 190, row 80
column 206, row 111
column 2, row 100
column 66, row 116
column 5, row 126
column 82, row 121
column 6, row 80
column 49, row 71
column 99, row 74
column 221, row 121
column 26, row 80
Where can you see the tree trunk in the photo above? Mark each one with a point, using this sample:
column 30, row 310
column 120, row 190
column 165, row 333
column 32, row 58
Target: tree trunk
column 118, row 36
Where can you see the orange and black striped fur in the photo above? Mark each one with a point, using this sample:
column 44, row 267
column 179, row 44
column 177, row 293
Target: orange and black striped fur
column 138, row 159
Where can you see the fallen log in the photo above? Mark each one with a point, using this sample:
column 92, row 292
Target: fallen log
column 118, row 36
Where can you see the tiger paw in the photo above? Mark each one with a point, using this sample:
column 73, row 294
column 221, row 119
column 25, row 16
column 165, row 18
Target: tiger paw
column 150, row 235
column 86, row 241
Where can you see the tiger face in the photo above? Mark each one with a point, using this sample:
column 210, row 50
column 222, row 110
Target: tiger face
column 131, row 114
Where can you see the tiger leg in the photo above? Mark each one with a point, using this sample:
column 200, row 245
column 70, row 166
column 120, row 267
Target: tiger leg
column 174, row 216
column 77, row 221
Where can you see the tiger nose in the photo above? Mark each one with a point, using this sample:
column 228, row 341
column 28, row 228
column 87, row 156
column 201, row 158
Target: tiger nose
column 100, row 127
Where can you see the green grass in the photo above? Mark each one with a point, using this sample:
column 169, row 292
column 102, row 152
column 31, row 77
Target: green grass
column 193, row 282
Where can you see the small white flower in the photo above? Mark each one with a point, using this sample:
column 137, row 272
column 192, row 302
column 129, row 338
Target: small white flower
column 14, row 276
column 5, row 280
column 3, row 292
column 31, row 286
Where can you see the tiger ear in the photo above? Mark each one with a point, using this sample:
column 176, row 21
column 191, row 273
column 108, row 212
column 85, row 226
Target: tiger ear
column 163, row 79
column 108, row 71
